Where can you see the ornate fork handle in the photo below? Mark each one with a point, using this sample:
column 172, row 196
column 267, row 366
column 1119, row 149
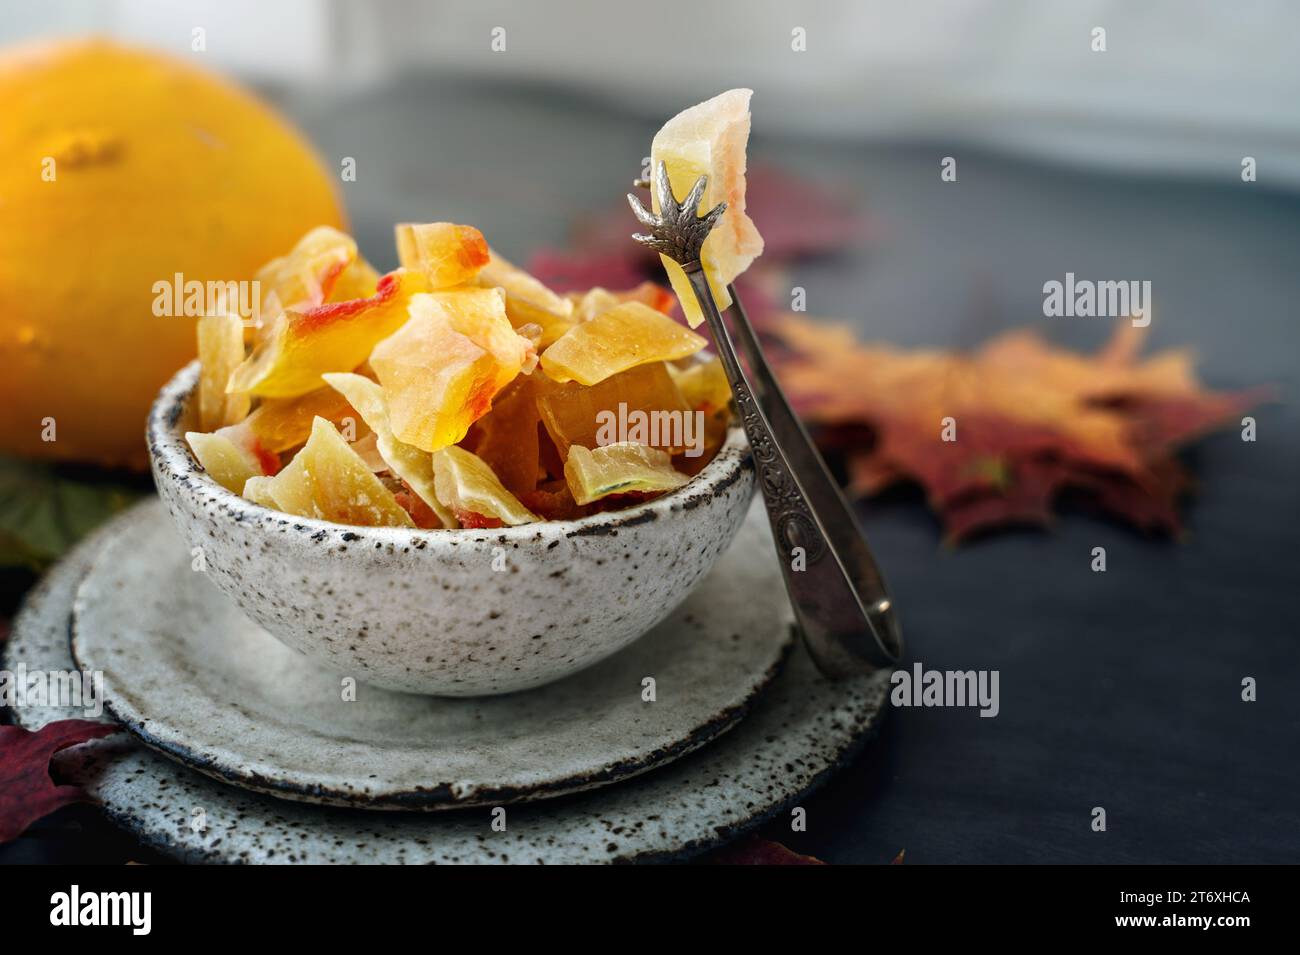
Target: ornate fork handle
column 839, row 596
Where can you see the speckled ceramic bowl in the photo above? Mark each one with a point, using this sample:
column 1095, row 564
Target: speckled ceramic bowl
column 425, row 611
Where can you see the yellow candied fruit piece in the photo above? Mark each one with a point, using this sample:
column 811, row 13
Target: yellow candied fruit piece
column 623, row 337
column 221, row 351
column 335, row 336
column 587, row 305
column 506, row 438
column 305, row 277
column 448, row 254
column 621, row 468
column 281, row 424
column 406, row 461
column 358, row 280
column 573, row 414
column 328, row 481
column 528, row 301
column 709, row 139
column 704, row 385
column 467, row 485
column 441, row 370
column 258, row 490
column 226, row 462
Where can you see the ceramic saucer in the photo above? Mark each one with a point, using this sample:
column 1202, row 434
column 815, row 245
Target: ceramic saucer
column 800, row 730
column 192, row 677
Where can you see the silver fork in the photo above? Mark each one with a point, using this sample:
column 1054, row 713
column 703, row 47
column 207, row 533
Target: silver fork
column 839, row 596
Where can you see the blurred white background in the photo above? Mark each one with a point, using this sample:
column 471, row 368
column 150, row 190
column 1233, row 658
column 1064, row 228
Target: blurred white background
column 1182, row 88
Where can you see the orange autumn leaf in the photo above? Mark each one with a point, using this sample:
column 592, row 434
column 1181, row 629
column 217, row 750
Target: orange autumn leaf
column 995, row 436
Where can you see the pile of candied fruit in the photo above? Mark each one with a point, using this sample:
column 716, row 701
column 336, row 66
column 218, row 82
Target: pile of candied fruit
column 455, row 391
column 458, row 390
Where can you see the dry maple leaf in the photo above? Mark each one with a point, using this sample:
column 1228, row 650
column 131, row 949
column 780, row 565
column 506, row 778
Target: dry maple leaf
column 995, row 436
column 27, row 793
column 577, row 271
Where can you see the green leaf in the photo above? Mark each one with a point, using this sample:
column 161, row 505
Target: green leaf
column 43, row 512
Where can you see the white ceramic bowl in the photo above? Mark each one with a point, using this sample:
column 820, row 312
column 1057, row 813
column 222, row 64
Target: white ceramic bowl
column 424, row 610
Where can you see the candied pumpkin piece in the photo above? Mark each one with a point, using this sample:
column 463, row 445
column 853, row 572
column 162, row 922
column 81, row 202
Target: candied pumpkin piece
column 280, row 424
column 552, row 500
column 358, row 280
column 336, row 336
column 709, row 139
column 587, row 305
column 367, row 449
column 467, row 485
column 693, row 460
column 328, row 481
column 574, row 414
column 448, row 254
column 506, row 437
column 441, row 370
column 628, row 335
column 304, row 278
column 231, row 457
column 221, row 351
column 621, row 468
column 424, row 516
column 409, row 463
column 704, row 385
column 258, row 490
column 528, row 301
column 549, row 458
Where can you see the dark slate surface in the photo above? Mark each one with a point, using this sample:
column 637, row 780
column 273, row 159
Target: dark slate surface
column 1119, row 690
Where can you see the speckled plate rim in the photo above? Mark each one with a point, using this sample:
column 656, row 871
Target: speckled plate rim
column 438, row 795
column 162, row 841
column 442, row 796
column 126, row 775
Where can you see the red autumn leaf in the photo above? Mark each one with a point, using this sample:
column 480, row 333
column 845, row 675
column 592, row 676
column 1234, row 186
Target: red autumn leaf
column 752, row 850
column 998, row 436
column 797, row 217
column 27, row 793
column 584, row 269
